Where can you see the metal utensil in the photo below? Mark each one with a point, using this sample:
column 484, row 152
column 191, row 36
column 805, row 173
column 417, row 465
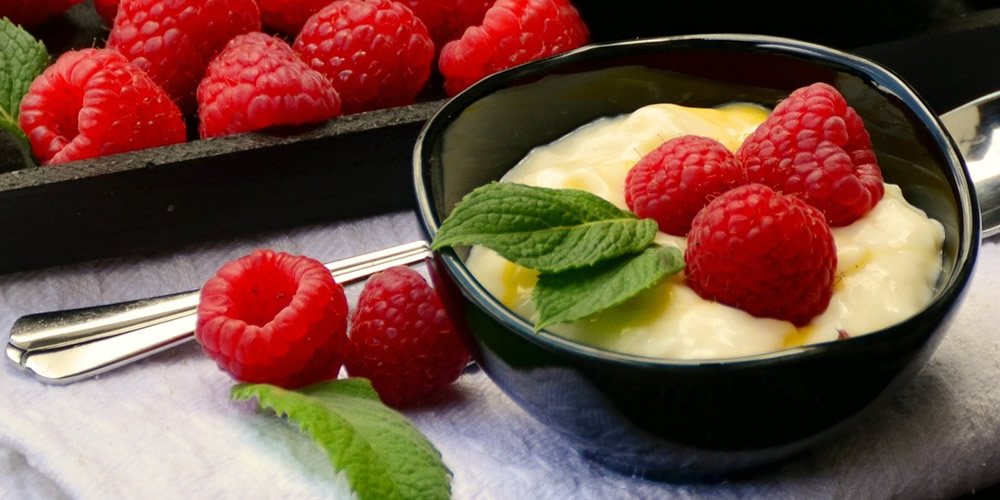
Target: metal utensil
column 975, row 126
column 65, row 346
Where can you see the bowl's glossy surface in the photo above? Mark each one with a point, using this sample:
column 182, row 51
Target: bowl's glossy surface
column 679, row 419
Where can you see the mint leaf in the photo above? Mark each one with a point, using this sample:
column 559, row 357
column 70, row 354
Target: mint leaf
column 21, row 60
column 585, row 249
column 550, row 230
column 573, row 295
column 382, row 454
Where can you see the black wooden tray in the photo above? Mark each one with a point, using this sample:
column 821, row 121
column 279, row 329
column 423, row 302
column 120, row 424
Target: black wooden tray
column 359, row 165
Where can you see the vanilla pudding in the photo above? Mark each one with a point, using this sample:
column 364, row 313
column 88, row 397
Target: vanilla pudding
column 888, row 261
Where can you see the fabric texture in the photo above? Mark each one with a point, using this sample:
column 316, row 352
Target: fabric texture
column 165, row 427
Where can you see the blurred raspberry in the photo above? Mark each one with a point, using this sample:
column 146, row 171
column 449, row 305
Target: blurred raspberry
column 814, row 145
column 766, row 253
column 402, row 339
column 376, row 53
column 33, row 12
column 107, row 9
column 256, row 82
column 274, row 318
column 513, row 32
column 671, row 183
column 446, row 20
column 93, row 102
column 173, row 40
column 288, row 16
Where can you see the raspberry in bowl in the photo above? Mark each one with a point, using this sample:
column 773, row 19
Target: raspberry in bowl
column 672, row 417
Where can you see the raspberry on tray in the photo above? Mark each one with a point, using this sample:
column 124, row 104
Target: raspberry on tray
column 271, row 317
column 376, row 53
column 513, row 32
column 93, row 102
column 173, row 41
column 257, row 81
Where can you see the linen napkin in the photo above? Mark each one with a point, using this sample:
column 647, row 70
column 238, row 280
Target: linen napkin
column 165, row 428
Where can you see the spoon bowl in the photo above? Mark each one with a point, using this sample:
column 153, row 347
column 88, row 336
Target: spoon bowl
column 975, row 126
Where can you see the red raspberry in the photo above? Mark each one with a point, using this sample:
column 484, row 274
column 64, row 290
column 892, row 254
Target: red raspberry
column 814, row 145
column 288, row 16
column 173, row 40
column 376, row 53
column 513, row 32
column 274, row 318
column 671, row 183
column 446, row 20
column 402, row 340
column 766, row 253
column 93, row 102
column 107, row 9
column 33, row 12
column 256, row 82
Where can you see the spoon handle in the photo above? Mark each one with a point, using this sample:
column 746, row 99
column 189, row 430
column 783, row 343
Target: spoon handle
column 66, row 346
column 53, row 330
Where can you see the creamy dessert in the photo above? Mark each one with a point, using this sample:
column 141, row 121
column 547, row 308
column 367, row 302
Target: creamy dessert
column 888, row 261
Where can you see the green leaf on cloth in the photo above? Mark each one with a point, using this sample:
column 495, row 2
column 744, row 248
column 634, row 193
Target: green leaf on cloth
column 382, row 454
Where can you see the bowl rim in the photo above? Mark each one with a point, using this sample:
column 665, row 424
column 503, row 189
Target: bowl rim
column 946, row 295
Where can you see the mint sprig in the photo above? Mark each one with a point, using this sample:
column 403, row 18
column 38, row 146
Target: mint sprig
column 590, row 254
column 550, row 230
column 383, row 456
column 573, row 295
column 22, row 59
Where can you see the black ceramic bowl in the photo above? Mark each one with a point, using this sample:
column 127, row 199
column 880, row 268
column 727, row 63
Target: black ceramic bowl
column 678, row 419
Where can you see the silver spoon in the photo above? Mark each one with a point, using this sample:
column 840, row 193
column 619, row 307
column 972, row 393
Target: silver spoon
column 975, row 126
column 65, row 346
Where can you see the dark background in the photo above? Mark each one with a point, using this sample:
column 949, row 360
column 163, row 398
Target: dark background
column 949, row 50
column 842, row 23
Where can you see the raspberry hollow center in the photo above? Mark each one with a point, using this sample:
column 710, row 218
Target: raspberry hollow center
column 266, row 291
column 66, row 123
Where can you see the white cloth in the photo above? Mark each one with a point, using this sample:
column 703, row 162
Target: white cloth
column 165, row 427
